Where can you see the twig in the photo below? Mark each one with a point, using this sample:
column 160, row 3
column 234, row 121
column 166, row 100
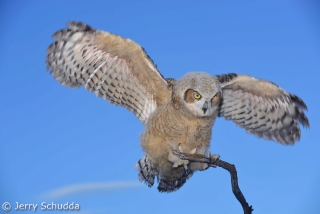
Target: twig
column 225, row 165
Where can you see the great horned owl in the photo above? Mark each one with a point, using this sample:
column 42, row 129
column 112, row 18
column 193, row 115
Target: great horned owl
column 179, row 113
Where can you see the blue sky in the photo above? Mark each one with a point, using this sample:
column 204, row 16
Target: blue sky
column 61, row 145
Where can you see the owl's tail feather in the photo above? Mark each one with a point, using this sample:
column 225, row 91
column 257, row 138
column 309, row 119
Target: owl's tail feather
column 146, row 171
column 170, row 184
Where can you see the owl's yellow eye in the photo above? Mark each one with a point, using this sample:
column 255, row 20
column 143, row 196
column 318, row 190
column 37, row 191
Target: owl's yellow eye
column 196, row 95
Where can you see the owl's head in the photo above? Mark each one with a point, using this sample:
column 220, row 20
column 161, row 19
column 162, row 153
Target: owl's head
column 199, row 93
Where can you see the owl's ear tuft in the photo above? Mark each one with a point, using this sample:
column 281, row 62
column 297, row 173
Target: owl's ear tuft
column 216, row 99
column 170, row 82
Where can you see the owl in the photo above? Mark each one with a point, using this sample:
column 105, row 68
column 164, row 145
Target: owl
column 178, row 113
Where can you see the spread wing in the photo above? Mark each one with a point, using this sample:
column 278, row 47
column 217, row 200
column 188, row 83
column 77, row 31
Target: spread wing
column 262, row 108
column 114, row 68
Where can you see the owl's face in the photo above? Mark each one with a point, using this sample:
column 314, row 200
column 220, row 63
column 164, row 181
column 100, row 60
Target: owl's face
column 200, row 93
column 201, row 105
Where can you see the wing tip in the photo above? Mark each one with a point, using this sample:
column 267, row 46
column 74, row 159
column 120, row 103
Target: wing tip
column 301, row 117
column 78, row 26
column 305, row 122
column 298, row 101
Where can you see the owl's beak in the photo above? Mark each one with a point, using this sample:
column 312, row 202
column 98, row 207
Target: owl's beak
column 205, row 107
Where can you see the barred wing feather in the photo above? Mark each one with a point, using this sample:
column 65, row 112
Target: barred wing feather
column 262, row 108
column 112, row 67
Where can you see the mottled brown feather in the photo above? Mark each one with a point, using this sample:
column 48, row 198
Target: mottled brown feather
column 114, row 68
column 262, row 108
column 216, row 99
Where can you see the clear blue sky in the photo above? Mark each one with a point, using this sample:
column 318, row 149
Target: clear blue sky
column 61, row 145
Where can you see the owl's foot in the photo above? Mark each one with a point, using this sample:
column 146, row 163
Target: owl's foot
column 204, row 166
column 214, row 158
column 176, row 160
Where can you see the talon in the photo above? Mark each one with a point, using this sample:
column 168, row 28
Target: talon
column 208, row 155
column 205, row 166
column 185, row 164
column 193, row 151
column 176, row 164
column 214, row 157
column 175, row 160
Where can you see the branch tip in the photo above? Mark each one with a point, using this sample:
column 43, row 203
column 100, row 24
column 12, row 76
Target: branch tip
column 223, row 164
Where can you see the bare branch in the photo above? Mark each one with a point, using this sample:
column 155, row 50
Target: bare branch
column 225, row 165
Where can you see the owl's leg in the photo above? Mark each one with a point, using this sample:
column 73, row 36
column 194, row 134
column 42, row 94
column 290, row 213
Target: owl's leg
column 146, row 171
column 176, row 160
column 193, row 165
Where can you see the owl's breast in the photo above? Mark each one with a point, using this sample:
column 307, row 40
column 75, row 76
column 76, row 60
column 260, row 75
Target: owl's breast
column 168, row 126
column 198, row 134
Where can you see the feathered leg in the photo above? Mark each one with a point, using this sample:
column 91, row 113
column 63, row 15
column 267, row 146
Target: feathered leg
column 146, row 171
